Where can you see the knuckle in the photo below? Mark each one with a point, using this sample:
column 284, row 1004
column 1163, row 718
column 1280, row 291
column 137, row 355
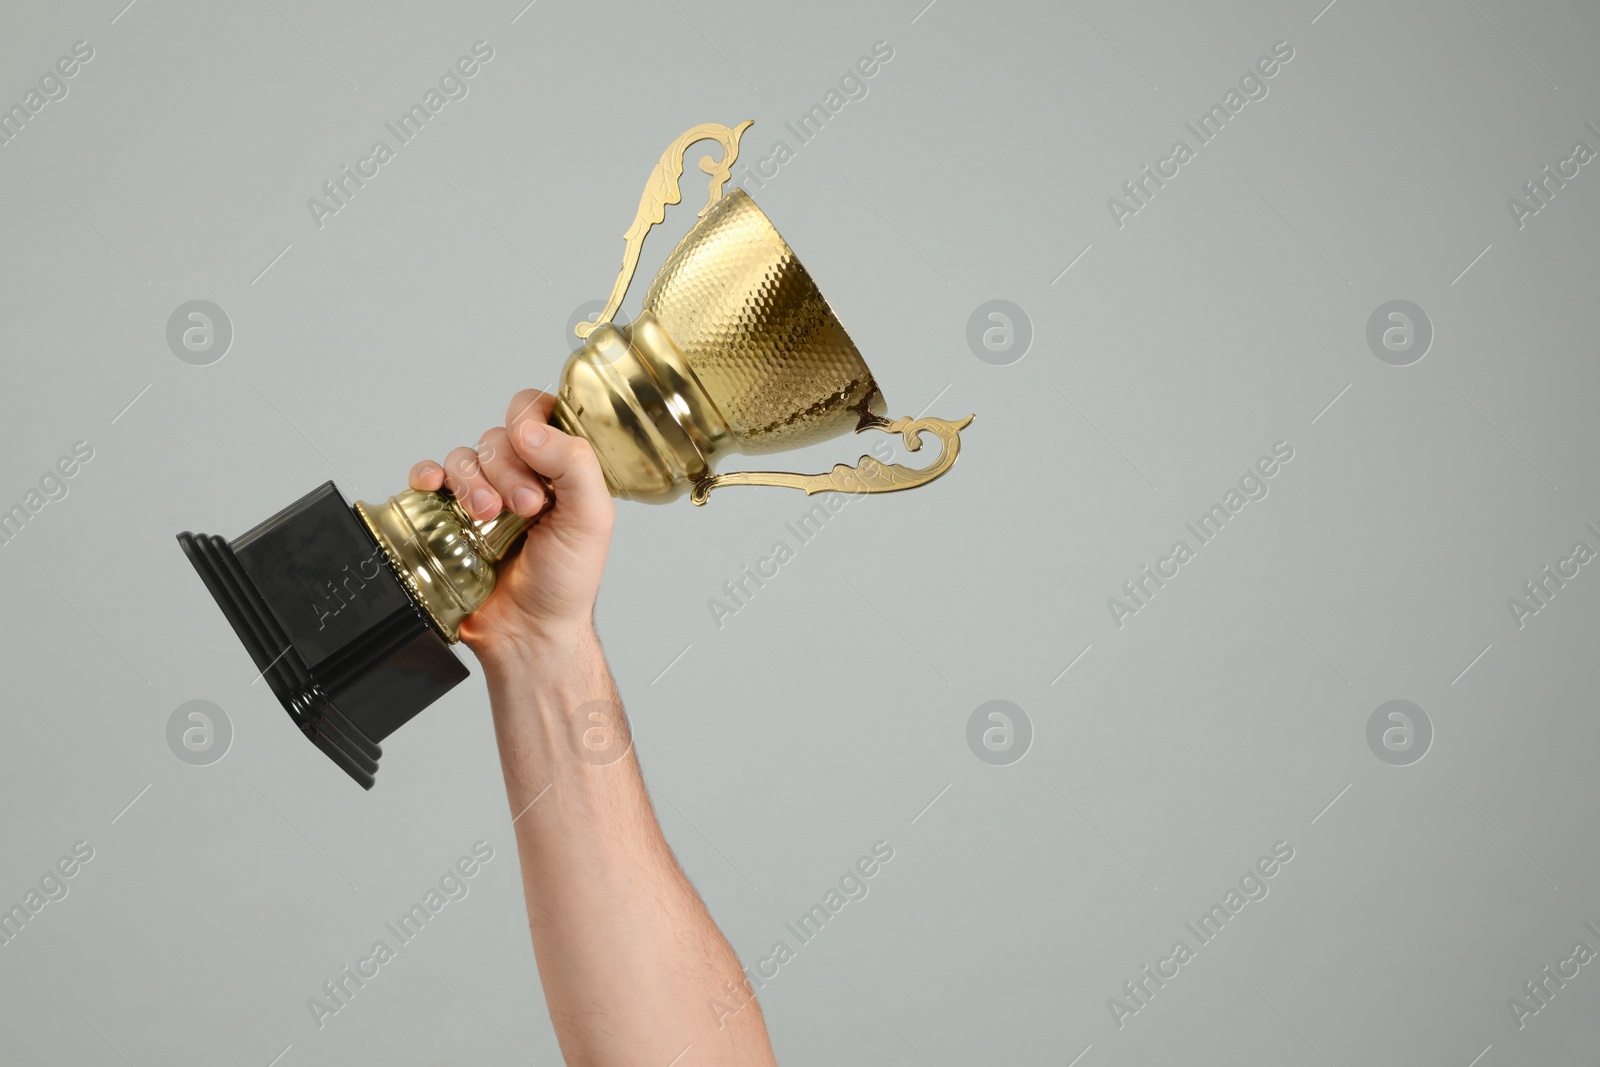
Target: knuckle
column 580, row 452
column 524, row 405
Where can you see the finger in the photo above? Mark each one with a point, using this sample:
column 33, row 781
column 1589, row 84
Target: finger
column 463, row 476
column 509, row 475
column 569, row 464
column 427, row 476
column 530, row 404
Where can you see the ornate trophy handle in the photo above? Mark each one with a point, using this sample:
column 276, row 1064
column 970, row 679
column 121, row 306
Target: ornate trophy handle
column 868, row 475
column 662, row 189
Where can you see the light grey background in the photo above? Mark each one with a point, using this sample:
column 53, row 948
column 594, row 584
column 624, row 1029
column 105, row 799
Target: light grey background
column 832, row 711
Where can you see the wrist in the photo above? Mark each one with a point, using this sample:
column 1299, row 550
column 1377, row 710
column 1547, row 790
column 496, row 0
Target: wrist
column 553, row 650
column 557, row 716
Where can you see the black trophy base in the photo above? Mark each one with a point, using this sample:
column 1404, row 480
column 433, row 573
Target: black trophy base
column 329, row 625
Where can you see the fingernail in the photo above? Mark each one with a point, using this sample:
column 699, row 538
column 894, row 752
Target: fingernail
column 524, row 501
column 533, row 434
column 481, row 504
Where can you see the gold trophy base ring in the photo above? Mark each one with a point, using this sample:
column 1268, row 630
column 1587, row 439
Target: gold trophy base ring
column 444, row 559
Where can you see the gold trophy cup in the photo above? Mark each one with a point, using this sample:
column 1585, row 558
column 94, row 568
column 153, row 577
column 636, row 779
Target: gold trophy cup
column 734, row 350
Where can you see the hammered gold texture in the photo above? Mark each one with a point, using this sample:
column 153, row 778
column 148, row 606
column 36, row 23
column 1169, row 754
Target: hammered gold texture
column 759, row 336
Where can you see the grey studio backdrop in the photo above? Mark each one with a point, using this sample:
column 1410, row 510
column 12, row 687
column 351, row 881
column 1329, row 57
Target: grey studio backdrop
column 1162, row 746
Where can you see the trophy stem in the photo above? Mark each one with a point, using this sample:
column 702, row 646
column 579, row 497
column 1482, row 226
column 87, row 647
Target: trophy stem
column 493, row 538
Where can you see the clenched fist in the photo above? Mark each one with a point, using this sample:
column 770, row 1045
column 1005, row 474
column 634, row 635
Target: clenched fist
column 544, row 596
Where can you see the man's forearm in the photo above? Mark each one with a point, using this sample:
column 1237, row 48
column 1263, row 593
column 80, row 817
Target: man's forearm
column 630, row 960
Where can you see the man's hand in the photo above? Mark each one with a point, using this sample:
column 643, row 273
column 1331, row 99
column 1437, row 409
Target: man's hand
column 544, row 593
column 634, row 970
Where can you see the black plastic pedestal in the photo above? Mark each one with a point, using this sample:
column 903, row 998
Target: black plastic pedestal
column 335, row 634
